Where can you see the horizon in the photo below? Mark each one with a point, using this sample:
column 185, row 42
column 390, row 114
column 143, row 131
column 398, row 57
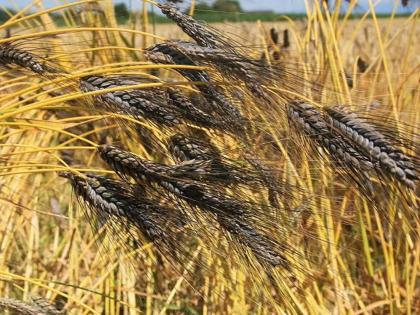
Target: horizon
column 285, row 6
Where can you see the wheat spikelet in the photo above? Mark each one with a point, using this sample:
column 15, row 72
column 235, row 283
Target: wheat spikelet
column 218, row 167
column 38, row 306
column 378, row 148
column 185, row 148
column 166, row 54
column 12, row 55
column 47, row 307
column 193, row 113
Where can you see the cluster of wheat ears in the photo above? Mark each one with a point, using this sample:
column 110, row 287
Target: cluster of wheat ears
column 212, row 175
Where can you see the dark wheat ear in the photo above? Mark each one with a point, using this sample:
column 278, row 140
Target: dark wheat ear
column 273, row 47
column 193, row 113
column 286, row 40
column 218, row 167
column 309, row 121
column 232, row 64
column 216, row 100
column 185, row 148
column 115, row 201
column 197, row 31
column 162, row 105
column 232, row 215
column 12, row 55
column 389, row 160
column 150, row 104
column 38, row 306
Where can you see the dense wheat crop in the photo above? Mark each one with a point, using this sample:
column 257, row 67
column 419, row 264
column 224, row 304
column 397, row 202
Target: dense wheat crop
column 183, row 168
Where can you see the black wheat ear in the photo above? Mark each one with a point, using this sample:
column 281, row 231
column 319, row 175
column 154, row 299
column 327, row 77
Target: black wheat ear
column 10, row 54
column 388, row 159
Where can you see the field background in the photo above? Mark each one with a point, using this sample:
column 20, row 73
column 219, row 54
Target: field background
column 48, row 249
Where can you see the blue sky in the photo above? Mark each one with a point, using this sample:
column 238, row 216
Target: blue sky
column 276, row 5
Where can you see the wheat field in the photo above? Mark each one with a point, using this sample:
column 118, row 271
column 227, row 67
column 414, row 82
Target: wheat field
column 341, row 224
